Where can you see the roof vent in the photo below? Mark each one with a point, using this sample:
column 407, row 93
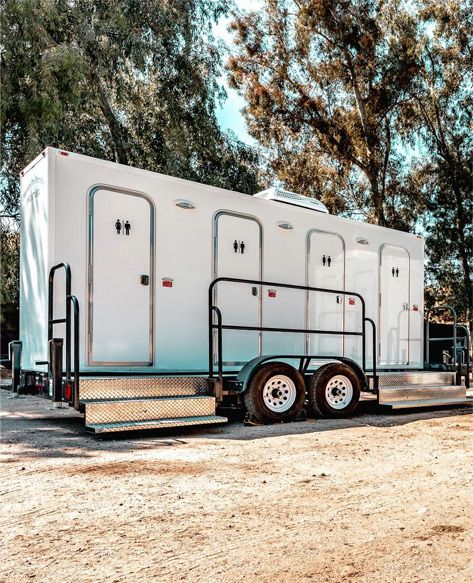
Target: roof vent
column 292, row 198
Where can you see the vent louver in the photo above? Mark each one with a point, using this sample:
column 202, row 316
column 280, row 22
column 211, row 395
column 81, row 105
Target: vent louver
column 287, row 197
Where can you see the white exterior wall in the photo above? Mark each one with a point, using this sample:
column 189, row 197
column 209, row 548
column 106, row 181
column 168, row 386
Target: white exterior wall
column 36, row 255
column 56, row 230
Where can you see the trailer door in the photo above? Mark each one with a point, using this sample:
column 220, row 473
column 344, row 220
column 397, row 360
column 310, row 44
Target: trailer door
column 394, row 305
column 238, row 241
column 121, row 232
column 326, row 269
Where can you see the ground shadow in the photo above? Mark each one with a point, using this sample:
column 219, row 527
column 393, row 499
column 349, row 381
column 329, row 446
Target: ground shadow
column 61, row 433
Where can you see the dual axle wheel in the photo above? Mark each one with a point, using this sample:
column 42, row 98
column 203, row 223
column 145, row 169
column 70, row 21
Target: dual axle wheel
column 277, row 392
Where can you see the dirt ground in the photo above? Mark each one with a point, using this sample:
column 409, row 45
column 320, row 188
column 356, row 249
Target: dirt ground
column 379, row 497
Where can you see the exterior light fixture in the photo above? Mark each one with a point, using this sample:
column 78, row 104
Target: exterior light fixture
column 184, row 204
column 285, row 225
column 362, row 241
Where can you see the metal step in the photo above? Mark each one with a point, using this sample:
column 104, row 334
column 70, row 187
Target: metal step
column 126, row 387
column 415, row 377
column 155, row 424
column 145, row 409
column 429, row 403
column 388, row 395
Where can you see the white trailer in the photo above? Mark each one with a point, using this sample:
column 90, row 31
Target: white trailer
column 193, row 297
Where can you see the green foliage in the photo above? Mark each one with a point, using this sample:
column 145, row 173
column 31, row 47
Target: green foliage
column 368, row 105
column 439, row 114
column 324, row 82
column 134, row 82
column 124, row 80
column 9, row 285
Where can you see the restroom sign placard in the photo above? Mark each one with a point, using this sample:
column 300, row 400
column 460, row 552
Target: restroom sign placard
column 122, row 227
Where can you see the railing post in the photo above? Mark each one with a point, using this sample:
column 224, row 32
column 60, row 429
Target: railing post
column 211, row 332
column 15, row 349
column 363, row 320
column 55, row 370
column 427, row 340
column 52, row 272
column 374, row 346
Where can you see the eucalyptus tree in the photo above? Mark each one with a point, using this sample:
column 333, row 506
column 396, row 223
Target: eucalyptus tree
column 134, row 82
column 440, row 115
column 324, row 81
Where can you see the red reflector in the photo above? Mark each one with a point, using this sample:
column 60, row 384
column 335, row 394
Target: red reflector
column 68, row 392
column 415, row 308
column 351, row 301
column 272, row 293
column 167, row 282
column 64, row 153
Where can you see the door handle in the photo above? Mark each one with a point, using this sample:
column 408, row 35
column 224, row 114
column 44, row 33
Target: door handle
column 144, row 279
column 254, row 291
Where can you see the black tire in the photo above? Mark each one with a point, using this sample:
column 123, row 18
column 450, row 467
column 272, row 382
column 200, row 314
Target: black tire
column 256, row 401
column 318, row 385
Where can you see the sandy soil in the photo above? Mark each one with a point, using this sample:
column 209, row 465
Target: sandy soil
column 380, row 497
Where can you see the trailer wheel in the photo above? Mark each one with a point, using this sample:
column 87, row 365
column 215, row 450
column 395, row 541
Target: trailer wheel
column 276, row 393
column 334, row 390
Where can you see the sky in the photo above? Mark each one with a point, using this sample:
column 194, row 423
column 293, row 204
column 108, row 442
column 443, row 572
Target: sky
column 229, row 115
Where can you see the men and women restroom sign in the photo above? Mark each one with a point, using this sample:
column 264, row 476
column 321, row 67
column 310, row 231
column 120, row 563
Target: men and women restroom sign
column 122, row 227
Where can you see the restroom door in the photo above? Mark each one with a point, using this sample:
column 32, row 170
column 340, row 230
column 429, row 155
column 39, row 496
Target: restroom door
column 394, row 305
column 120, row 278
column 326, row 269
column 238, row 243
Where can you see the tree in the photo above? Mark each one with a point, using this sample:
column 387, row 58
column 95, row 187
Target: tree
column 9, row 284
column 131, row 81
column 134, row 82
column 440, row 113
column 324, row 81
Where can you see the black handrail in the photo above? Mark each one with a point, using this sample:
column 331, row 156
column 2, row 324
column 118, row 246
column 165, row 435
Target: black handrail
column 468, row 354
column 67, row 319
column 428, row 339
column 456, row 365
column 220, row 327
column 71, row 301
column 374, row 370
column 75, row 306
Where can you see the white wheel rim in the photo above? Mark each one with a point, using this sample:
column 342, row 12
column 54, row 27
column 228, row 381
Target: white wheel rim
column 279, row 393
column 339, row 392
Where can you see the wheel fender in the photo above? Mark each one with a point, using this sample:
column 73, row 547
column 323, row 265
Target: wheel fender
column 245, row 374
column 354, row 366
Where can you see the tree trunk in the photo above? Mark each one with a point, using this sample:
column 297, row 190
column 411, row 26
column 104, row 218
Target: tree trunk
column 377, row 199
column 117, row 131
column 460, row 225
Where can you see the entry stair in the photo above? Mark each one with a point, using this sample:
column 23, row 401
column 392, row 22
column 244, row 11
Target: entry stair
column 114, row 404
column 411, row 389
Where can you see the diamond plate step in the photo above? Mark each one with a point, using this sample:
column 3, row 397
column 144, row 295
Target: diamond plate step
column 423, row 378
column 155, row 424
column 125, row 387
column 126, row 410
column 429, row 403
column 389, row 395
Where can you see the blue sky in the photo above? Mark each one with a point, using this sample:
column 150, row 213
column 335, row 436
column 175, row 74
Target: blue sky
column 229, row 115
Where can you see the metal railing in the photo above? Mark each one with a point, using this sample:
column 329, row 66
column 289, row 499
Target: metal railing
column 70, row 301
column 220, row 326
column 457, row 365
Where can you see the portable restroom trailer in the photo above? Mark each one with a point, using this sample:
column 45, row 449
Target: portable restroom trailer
column 148, row 301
